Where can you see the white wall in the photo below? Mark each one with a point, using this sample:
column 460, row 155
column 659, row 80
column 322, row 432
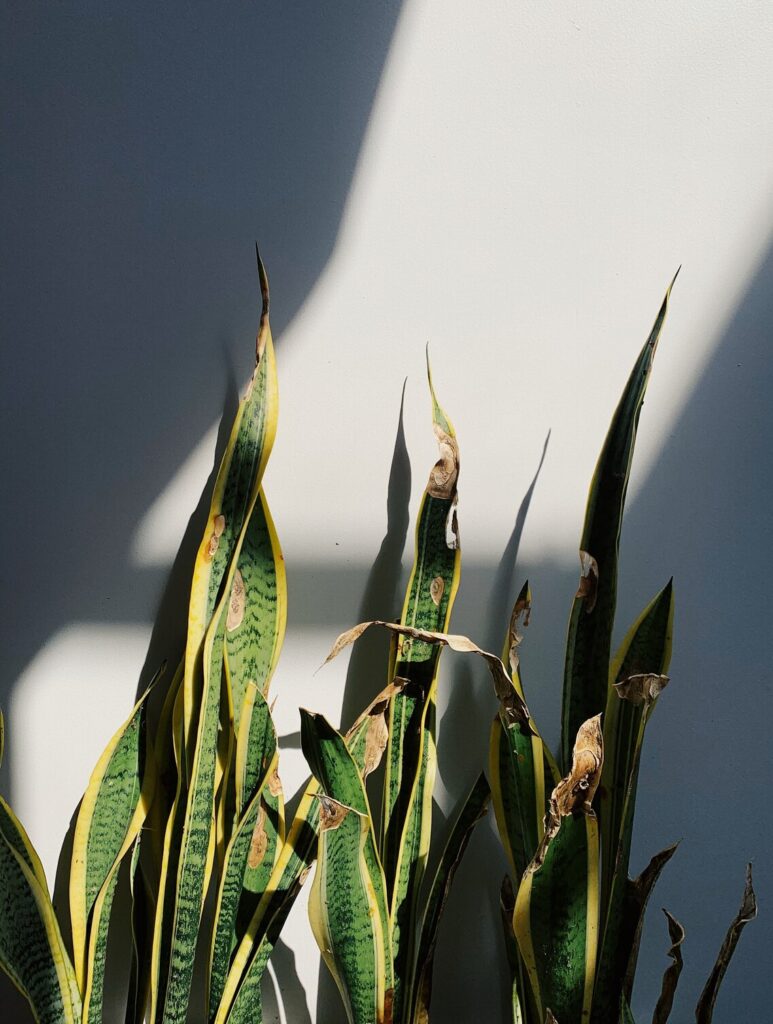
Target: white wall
column 516, row 188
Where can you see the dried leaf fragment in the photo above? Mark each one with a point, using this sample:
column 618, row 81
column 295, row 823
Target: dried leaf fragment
column 575, row 792
column 747, row 912
column 443, row 475
column 274, row 783
column 512, row 703
column 642, row 689
column 671, row 975
column 589, row 580
column 521, row 611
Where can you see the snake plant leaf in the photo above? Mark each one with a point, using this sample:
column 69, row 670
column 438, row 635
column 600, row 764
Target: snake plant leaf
column 626, row 1017
column 111, row 814
column 233, row 498
column 348, row 900
column 521, row 767
column 519, row 986
column 556, row 909
column 161, row 951
column 473, row 809
column 15, row 834
column 645, row 652
column 247, row 852
column 411, row 758
column 257, row 613
column 32, row 951
column 142, row 939
column 592, row 615
column 704, row 1012
column 366, row 741
column 196, row 838
column 637, row 895
column 671, row 977
column 2, row 737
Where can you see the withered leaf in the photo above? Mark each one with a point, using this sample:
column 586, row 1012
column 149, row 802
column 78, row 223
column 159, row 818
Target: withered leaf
column 589, row 580
column 642, row 689
column 672, row 972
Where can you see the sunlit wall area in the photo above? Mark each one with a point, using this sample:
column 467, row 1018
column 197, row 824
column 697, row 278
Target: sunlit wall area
column 513, row 185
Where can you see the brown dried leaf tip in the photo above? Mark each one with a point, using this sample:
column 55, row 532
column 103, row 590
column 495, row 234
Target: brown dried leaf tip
column 575, row 792
column 443, row 476
column 521, row 611
column 549, row 1018
column 642, row 689
column 589, row 580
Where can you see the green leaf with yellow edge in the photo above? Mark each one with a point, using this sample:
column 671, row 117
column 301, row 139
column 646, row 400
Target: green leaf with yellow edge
column 249, row 860
column 473, row 809
column 32, row 951
column 592, row 616
column 111, row 814
column 365, row 741
column 637, row 677
column 521, row 767
column 411, row 760
column 348, row 900
column 233, row 498
column 556, row 908
column 645, row 651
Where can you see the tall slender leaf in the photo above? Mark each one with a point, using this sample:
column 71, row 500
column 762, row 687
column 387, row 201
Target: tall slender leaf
column 592, row 616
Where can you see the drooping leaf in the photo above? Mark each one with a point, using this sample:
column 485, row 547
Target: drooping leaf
column 32, row 952
column 348, row 901
column 473, row 809
column 556, row 908
column 592, row 616
column 636, row 897
column 704, row 1012
column 671, row 977
column 111, row 814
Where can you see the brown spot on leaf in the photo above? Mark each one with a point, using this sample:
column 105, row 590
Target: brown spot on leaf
column 589, row 580
column 237, row 604
column 274, row 783
column 436, row 588
column 259, row 841
column 375, row 743
column 331, row 813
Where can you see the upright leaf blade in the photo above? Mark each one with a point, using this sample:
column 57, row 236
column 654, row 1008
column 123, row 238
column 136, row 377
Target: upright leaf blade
column 411, row 758
column 556, row 908
column 32, row 952
column 233, row 498
column 473, row 809
column 348, row 901
column 112, row 811
column 592, row 616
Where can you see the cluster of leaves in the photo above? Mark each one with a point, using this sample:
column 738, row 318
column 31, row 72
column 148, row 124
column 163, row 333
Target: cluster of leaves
column 188, row 801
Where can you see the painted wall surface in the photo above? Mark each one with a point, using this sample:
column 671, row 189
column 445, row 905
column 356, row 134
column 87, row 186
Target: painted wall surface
column 514, row 184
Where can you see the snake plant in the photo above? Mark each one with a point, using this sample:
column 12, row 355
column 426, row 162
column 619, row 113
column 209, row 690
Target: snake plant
column 375, row 933
column 186, row 798
column 571, row 914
